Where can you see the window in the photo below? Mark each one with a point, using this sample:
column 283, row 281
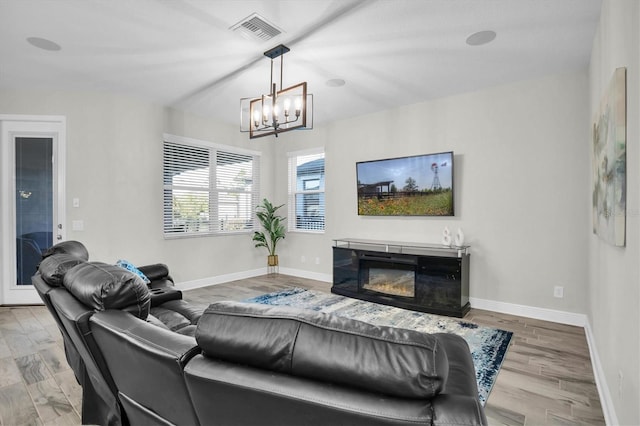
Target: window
column 306, row 190
column 208, row 188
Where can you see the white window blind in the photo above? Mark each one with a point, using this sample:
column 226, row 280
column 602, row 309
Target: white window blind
column 208, row 189
column 306, row 191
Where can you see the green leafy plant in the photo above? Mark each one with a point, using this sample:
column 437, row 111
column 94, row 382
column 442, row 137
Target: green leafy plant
column 272, row 224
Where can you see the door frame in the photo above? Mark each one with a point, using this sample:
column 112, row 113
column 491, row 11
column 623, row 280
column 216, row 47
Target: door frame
column 12, row 126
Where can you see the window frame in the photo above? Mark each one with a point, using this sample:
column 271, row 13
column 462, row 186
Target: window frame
column 213, row 190
column 292, row 158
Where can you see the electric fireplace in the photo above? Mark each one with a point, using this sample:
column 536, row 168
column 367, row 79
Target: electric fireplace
column 422, row 277
column 387, row 276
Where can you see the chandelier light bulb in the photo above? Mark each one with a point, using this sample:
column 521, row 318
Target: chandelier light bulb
column 298, row 105
column 287, row 106
column 256, row 117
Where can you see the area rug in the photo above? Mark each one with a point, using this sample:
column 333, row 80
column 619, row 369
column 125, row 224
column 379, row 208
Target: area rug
column 488, row 345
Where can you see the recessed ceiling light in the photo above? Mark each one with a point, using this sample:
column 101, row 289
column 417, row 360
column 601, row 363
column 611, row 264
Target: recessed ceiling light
column 335, row 82
column 481, row 37
column 43, row 43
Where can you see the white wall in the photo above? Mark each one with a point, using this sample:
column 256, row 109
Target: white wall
column 614, row 272
column 114, row 167
column 521, row 164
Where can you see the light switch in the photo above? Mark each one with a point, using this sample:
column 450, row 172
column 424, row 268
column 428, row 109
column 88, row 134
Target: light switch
column 76, row 202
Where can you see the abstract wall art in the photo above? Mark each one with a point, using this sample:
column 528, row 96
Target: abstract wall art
column 609, row 162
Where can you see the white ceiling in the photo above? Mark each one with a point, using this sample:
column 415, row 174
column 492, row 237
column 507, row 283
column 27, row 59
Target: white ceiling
column 389, row 52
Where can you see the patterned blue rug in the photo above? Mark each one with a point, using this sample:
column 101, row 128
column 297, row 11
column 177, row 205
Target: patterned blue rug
column 488, row 345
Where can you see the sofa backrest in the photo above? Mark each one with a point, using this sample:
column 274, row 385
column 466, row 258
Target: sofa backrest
column 102, row 286
column 296, row 366
column 392, row 361
column 147, row 365
column 74, row 248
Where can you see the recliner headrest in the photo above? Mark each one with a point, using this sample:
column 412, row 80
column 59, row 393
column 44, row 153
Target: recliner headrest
column 319, row 346
column 102, row 286
column 74, row 248
column 53, row 268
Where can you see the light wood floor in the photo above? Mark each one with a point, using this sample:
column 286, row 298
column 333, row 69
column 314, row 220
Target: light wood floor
column 546, row 378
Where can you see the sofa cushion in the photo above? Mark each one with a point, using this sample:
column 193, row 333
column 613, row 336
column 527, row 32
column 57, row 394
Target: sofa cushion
column 310, row 344
column 102, row 286
column 53, row 268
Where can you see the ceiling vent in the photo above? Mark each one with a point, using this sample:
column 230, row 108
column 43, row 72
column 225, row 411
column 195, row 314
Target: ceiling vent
column 256, row 27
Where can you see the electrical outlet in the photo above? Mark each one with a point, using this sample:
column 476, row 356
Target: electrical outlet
column 317, row 260
column 558, row 291
column 303, row 259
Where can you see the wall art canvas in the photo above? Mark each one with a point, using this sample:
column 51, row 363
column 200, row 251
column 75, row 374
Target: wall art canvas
column 609, row 162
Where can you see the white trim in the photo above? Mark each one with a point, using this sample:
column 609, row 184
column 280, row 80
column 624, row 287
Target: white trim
column 569, row 318
column 309, row 151
column 37, row 118
column 11, row 126
column 328, row 278
column 221, row 279
column 183, row 140
column 608, row 409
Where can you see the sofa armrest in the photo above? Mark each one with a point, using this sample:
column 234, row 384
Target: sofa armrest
column 156, row 271
column 449, row 409
column 163, row 294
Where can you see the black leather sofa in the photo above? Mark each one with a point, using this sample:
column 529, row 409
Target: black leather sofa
column 245, row 364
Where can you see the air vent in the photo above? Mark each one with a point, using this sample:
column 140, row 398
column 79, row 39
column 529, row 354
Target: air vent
column 256, row 27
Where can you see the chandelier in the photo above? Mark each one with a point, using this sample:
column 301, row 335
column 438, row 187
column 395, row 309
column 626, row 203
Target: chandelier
column 279, row 111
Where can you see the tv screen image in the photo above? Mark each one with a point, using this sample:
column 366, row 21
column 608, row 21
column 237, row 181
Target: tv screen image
column 419, row 185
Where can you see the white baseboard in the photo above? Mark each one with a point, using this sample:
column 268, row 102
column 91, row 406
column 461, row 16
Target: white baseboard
column 569, row 318
column 220, row 279
column 604, row 393
column 328, row 278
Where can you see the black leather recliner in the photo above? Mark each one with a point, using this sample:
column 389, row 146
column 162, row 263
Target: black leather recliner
column 249, row 364
column 94, row 286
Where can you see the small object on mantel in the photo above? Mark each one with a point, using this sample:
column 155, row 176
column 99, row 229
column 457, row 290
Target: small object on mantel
column 446, row 237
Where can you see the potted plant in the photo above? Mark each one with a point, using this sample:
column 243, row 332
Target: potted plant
column 273, row 230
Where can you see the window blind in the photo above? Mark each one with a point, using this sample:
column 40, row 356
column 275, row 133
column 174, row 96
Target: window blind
column 208, row 189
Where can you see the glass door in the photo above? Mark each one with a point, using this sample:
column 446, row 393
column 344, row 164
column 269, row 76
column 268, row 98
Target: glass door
column 31, row 194
column 33, row 203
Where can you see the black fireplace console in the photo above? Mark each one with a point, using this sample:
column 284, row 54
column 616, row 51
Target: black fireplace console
column 423, row 277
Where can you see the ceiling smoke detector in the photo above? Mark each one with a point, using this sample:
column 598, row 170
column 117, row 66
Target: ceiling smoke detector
column 256, row 27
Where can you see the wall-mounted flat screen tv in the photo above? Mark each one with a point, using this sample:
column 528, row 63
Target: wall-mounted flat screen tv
column 420, row 185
